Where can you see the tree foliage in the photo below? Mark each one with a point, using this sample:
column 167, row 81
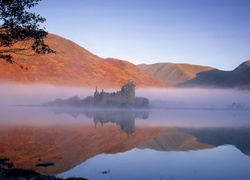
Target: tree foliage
column 18, row 24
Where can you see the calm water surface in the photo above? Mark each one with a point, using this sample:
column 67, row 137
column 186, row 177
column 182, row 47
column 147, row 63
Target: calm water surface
column 128, row 144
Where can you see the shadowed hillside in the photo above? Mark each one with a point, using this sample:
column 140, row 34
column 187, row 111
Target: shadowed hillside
column 73, row 65
column 187, row 75
column 239, row 77
column 173, row 74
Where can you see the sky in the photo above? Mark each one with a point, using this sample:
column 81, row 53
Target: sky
column 206, row 32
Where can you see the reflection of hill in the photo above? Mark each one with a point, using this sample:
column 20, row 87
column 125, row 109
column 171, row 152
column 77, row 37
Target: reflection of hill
column 199, row 138
column 238, row 137
column 67, row 141
column 65, row 146
column 174, row 140
column 69, row 145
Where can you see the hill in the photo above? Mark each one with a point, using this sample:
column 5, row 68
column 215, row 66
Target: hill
column 188, row 75
column 239, row 77
column 73, row 65
column 173, row 74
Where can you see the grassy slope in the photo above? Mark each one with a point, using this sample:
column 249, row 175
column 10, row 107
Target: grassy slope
column 74, row 65
column 173, row 74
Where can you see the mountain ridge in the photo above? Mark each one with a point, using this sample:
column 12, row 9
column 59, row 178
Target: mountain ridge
column 173, row 74
column 74, row 65
column 237, row 78
column 190, row 75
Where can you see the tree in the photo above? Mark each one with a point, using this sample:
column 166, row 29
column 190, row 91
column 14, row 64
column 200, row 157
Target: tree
column 19, row 25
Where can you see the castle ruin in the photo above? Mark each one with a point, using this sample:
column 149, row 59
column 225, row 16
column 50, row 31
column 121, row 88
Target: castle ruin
column 124, row 97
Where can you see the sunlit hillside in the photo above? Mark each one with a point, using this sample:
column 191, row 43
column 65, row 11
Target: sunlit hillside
column 173, row 74
column 73, row 65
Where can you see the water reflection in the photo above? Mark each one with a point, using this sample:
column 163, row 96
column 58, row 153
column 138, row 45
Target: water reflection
column 125, row 118
column 239, row 137
column 224, row 162
column 69, row 137
column 33, row 136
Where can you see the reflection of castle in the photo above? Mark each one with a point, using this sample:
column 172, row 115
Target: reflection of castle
column 124, row 97
column 124, row 119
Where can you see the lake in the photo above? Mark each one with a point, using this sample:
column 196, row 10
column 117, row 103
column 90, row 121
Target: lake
column 162, row 144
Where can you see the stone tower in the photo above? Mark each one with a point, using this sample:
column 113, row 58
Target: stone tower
column 128, row 93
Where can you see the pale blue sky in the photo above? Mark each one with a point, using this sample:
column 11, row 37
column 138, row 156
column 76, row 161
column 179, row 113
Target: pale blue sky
column 206, row 32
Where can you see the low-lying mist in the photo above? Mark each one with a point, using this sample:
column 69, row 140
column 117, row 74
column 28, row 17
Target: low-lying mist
column 18, row 94
column 196, row 98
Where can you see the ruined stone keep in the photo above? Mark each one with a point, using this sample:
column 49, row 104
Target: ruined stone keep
column 125, row 97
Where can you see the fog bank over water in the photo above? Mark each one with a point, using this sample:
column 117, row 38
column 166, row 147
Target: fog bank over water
column 18, row 94
column 196, row 97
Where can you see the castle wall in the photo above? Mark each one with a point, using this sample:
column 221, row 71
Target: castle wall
column 125, row 96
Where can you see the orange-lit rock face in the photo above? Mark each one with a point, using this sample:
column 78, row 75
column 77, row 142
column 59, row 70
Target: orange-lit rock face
column 73, row 65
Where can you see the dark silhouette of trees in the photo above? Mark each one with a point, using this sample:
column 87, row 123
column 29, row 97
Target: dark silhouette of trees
column 19, row 25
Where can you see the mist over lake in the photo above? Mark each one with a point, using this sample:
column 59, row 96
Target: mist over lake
column 183, row 134
column 19, row 94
